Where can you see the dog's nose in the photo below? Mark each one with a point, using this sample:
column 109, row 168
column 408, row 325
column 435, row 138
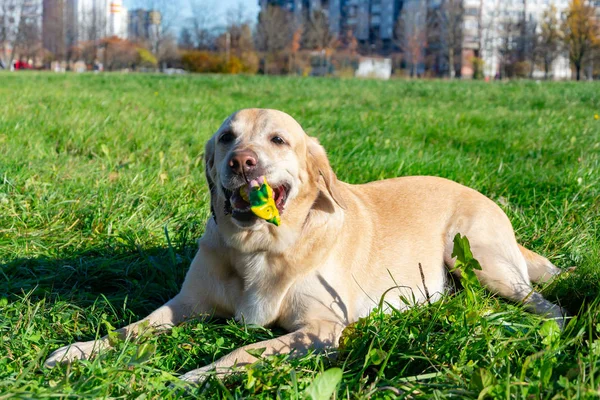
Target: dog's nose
column 242, row 162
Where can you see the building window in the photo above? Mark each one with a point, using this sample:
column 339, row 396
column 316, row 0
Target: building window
column 471, row 11
column 470, row 24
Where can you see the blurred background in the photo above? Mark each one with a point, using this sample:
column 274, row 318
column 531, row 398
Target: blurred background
column 467, row 39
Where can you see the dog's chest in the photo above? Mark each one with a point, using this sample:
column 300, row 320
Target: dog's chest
column 252, row 268
column 265, row 283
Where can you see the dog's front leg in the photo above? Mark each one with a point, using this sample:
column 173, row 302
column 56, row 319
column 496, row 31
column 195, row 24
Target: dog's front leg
column 172, row 313
column 194, row 299
column 317, row 335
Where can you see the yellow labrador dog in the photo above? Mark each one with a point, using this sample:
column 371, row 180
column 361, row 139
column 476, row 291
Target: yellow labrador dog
column 339, row 247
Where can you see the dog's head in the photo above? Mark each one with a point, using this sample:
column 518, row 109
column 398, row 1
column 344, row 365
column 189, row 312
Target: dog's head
column 255, row 143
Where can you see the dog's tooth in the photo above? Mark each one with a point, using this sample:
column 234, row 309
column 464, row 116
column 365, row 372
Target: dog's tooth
column 244, row 193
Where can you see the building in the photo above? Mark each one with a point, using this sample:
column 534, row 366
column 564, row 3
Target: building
column 137, row 27
column 16, row 16
column 504, row 23
column 118, row 20
column 534, row 10
column 54, row 27
column 144, row 25
column 371, row 21
column 297, row 7
column 470, row 36
column 495, row 31
column 154, row 28
column 68, row 23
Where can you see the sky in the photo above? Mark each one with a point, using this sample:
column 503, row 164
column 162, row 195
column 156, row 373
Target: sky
column 218, row 8
column 251, row 6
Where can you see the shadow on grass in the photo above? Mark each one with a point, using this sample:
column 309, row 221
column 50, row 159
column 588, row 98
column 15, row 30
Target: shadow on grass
column 145, row 278
column 575, row 291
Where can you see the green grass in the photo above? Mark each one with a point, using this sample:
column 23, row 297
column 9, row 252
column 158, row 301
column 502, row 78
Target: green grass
column 102, row 196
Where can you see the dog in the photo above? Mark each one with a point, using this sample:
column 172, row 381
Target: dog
column 339, row 250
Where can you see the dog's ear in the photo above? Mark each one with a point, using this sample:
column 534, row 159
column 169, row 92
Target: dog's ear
column 317, row 159
column 209, row 164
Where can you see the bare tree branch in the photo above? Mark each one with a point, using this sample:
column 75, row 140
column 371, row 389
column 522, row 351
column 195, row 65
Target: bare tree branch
column 19, row 29
column 550, row 38
column 203, row 24
column 274, row 31
column 411, row 34
column 445, row 34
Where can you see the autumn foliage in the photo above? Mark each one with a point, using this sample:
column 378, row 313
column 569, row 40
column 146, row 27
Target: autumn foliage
column 582, row 33
column 204, row 61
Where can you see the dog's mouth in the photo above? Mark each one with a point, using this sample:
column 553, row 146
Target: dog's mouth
column 240, row 208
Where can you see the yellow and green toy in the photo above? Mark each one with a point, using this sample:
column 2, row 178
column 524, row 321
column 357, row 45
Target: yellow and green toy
column 262, row 201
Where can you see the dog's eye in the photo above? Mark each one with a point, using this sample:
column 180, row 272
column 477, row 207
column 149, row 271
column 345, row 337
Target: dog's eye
column 226, row 137
column 277, row 140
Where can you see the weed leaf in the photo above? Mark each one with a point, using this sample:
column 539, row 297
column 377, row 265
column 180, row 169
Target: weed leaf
column 465, row 261
column 550, row 332
column 324, row 385
column 256, row 352
column 377, row 356
column 481, row 379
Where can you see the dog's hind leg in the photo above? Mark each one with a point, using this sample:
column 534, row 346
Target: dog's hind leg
column 539, row 268
column 505, row 270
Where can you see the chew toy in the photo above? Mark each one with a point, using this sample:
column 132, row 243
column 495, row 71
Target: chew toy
column 261, row 199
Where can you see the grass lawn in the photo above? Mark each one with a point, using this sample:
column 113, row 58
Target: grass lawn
column 102, row 196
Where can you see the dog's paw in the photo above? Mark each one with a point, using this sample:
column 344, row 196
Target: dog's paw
column 197, row 376
column 190, row 381
column 72, row 352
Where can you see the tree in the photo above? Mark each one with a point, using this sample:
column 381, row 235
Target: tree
column 239, row 30
column 93, row 22
column 316, row 34
column 509, row 35
column 348, row 41
column 185, row 39
column 168, row 55
column 526, row 42
column 581, row 33
column 91, row 29
column 19, row 29
column 163, row 15
column 118, row 53
column 236, row 42
column 295, row 47
column 202, row 24
column 446, row 31
column 550, row 38
column 531, row 44
column 28, row 39
column 145, row 58
column 273, row 32
column 411, row 35
column 487, row 33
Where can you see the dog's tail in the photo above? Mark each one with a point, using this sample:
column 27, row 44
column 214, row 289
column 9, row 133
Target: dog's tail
column 539, row 268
